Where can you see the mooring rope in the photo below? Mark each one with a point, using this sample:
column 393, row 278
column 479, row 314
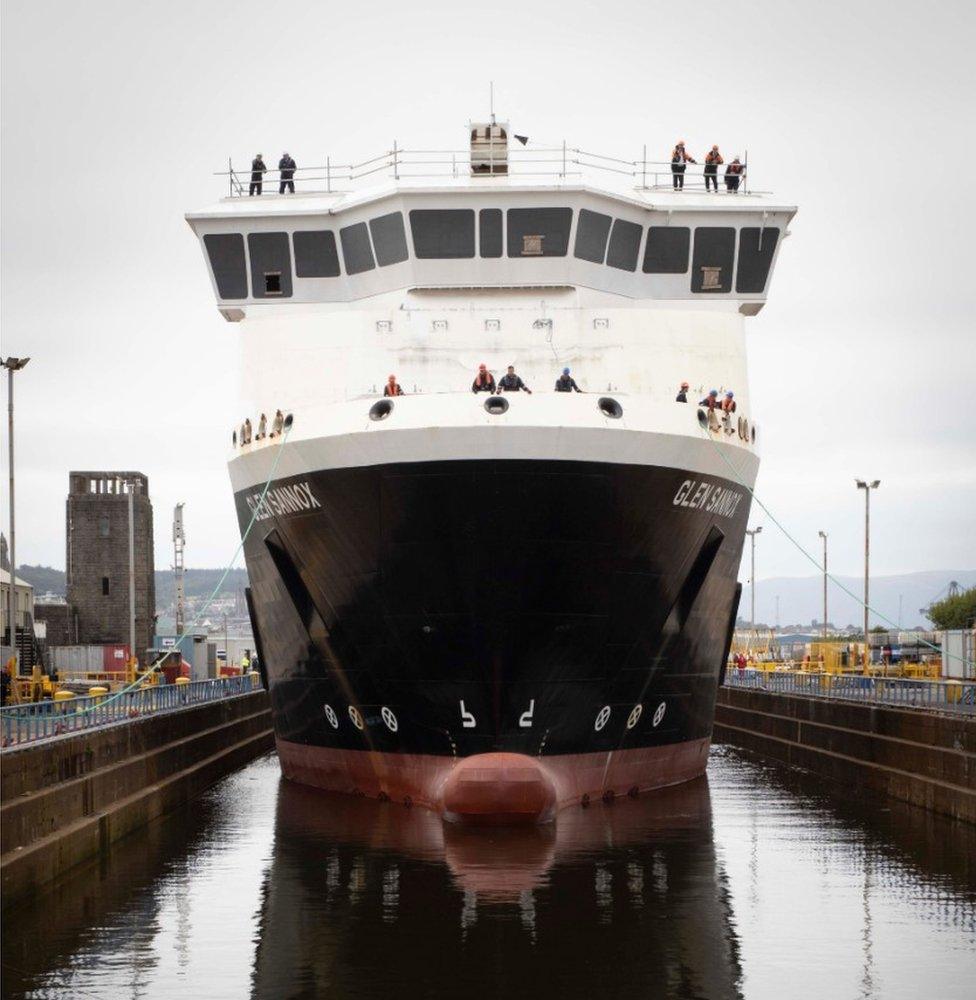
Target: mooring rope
column 737, row 476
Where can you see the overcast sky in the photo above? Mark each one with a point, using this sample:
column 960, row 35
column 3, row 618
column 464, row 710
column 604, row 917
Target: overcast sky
column 116, row 114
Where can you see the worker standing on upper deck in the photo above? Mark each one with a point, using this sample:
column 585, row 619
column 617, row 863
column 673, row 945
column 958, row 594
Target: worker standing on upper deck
column 733, row 174
column 712, row 161
column 286, row 167
column 257, row 174
column 682, row 396
column 392, row 387
column 680, row 158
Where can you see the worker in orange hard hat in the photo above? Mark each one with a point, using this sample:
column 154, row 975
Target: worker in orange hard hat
column 392, row 387
column 682, row 396
column 484, row 381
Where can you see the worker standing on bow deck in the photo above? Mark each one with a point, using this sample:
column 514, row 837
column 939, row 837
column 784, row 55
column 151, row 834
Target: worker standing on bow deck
column 510, row 382
column 484, row 381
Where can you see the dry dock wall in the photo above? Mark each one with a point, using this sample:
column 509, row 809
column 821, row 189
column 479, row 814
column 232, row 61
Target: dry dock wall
column 66, row 800
column 925, row 758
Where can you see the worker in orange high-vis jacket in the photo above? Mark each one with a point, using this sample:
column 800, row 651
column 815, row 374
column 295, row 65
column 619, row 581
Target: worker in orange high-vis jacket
column 712, row 162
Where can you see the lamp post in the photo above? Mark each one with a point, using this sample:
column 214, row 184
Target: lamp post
column 823, row 535
column 867, row 487
column 12, row 365
column 752, row 576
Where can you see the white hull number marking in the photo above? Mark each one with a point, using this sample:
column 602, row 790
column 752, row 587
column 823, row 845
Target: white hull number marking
column 659, row 714
column 390, row 719
column 357, row 719
column 601, row 719
column 525, row 719
column 467, row 719
column 635, row 714
column 331, row 716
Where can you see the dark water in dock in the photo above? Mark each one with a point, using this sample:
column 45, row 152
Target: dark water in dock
column 755, row 883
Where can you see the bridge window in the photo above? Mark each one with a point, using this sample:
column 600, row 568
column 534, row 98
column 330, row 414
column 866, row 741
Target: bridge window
column 711, row 267
column 442, row 234
column 591, row 236
column 624, row 245
column 667, row 250
column 756, row 249
column 539, row 232
column 226, row 253
column 356, row 250
column 104, row 586
column 490, row 227
column 316, row 254
column 270, row 265
column 389, row 239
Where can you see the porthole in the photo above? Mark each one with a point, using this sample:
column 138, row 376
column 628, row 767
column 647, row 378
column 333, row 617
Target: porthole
column 742, row 433
column 354, row 715
column 703, row 419
column 609, row 407
column 659, row 715
column 745, row 428
column 381, row 409
column 332, row 717
column 601, row 718
column 753, row 429
column 634, row 716
column 390, row 719
column 496, row 405
column 233, row 438
column 289, row 420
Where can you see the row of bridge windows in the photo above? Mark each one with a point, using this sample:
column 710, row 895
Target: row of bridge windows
column 457, row 234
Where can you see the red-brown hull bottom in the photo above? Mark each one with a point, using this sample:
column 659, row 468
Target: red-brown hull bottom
column 493, row 788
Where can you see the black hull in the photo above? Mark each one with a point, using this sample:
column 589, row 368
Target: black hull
column 551, row 598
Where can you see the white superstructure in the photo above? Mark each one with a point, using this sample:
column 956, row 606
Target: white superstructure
column 635, row 290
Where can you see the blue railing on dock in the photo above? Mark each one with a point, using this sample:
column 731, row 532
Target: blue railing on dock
column 32, row 721
column 943, row 696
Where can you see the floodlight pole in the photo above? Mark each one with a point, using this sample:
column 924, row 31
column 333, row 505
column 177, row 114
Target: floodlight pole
column 12, row 365
column 823, row 535
column 752, row 576
column 867, row 487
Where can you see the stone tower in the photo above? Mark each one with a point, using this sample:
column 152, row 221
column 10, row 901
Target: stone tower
column 98, row 558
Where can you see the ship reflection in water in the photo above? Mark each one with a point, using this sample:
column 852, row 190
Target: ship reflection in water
column 756, row 883
column 607, row 901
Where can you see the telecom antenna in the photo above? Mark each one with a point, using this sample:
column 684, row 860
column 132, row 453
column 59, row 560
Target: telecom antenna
column 179, row 541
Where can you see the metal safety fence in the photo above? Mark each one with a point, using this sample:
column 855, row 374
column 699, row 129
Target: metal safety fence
column 27, row 723
column 944, row 696
column 558, row 161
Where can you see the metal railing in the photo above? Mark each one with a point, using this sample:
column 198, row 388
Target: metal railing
column 561, row 162
column 28, row 723
column 945, row 696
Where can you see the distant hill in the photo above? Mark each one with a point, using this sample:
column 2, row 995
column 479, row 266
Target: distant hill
column 800, row 598
column 43, row 579
column 199, row 582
